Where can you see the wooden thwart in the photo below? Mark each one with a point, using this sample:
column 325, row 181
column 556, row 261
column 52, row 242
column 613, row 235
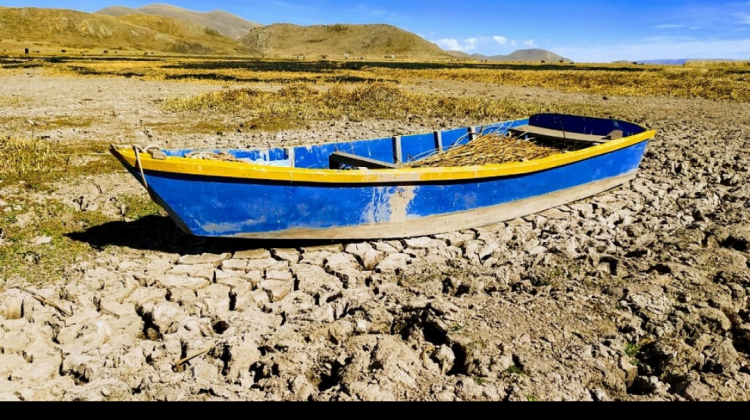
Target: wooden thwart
column 336, row 159
column 546, row 133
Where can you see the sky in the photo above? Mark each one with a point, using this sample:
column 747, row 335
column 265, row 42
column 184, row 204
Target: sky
column 581, row 30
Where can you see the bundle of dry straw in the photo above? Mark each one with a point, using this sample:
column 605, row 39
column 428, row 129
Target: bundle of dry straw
column 490, row 149
column 203, row 155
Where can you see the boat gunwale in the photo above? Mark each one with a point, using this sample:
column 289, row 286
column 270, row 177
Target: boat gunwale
column 255, row 172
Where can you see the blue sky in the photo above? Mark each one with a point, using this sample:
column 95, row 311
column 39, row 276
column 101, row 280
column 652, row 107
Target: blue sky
column 584, row 31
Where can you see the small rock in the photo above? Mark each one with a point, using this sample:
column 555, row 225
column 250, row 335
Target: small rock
column 252, row 254
column 214, row 259
column 394, row 263
column 276, row 289
column 42, row 240
column 286, row 254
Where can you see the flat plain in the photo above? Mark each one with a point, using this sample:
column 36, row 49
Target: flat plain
column 639, row 293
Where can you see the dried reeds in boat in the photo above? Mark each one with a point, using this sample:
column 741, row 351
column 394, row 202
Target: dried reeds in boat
column 204, row 155
column 490, row 149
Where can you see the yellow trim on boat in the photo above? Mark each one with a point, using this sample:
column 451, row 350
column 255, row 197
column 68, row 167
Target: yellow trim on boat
column 242, row 170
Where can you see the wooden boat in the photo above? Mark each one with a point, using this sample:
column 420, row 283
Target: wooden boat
column 362, row 190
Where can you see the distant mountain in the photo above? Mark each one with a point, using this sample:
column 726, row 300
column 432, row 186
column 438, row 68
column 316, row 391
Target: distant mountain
column 682, row 61
column 227, row 24
column 139, row 32
column 678, row 61
column 339, row 41
column 531, row 55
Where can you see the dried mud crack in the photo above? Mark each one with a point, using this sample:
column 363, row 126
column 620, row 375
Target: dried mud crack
column 639, row 293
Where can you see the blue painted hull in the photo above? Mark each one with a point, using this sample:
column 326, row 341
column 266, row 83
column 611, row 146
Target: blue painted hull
column 213, row 206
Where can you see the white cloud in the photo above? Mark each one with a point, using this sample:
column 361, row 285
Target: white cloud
column 529, row 43
column 470, row 44
column 449, row 44
column 513, row 43
column 668, row 26
column 500, row 39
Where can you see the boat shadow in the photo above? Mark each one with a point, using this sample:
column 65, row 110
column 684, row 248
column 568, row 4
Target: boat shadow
column 160, row 233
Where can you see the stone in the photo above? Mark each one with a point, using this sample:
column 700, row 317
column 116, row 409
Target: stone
column 242, row 355
column 9, row 362
column 372, row 258
column 42, row 240
column 393, row 264
column 279, row 275
column 302, row 388
column 205, row 271
column 218, row 294
column 253, row 277
column 167, row 317
column 444, row 357
column 252, row 254
column 170, row 281
column 358, row 250
column 331, row 249
column 13, row 301
column 457, row 239
column 234, row 265
column 387, row 247
column 341, row 261
column 716, row 319
column 315, row 258
column 487, row 251
column 266, row 264
column 143, row 295
column 276, row 289
column 286, row 254
column 213, row 259
column 424, row 243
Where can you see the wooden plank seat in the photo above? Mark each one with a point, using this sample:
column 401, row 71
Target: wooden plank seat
column 337, row 159
column 546, row 133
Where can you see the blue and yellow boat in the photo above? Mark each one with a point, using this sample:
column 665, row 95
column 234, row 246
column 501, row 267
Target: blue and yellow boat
column 362, row 190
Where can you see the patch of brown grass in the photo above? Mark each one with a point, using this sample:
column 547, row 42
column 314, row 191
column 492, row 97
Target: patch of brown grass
column 685, row 82
column 378, row 100
column 21, row 156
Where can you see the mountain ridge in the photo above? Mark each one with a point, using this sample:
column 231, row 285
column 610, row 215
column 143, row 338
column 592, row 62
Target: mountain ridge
column 340, row 41
column 225, row 23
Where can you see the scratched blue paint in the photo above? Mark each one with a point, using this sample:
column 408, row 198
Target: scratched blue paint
column 213, row 206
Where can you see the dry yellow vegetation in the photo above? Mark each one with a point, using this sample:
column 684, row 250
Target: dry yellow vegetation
column 714, row 83
column 20, row 156
column 375, row 100
column 721, row 82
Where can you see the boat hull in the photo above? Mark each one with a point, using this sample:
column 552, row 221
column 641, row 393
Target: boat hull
column 214, row 206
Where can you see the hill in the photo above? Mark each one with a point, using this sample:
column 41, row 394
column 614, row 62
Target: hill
column 227, row 24
column 534, row 54
column 72, row 29
column 340, row 41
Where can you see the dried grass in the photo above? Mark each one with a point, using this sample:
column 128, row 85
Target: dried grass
column 21, row 155
column 492, row 149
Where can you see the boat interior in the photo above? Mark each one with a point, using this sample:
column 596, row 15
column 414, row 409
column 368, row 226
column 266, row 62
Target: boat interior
column 393, row 152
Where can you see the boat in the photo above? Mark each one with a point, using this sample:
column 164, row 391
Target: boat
column 372, row 189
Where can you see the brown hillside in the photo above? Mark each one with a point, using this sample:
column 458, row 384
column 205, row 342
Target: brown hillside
column 337, row 41
column 227, row 24
column 74, row 29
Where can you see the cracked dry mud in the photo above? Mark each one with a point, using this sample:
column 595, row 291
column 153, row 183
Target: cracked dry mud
column 639, row 293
